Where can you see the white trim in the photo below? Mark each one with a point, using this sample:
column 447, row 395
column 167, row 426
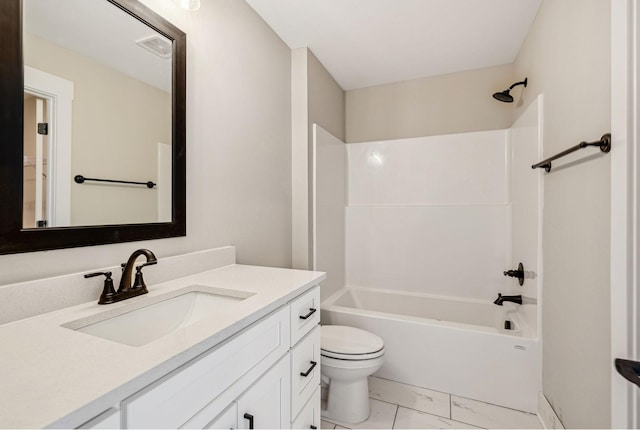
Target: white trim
column 38, row 216
column 547, row 415
column 60, row 93
column 540, row 223
column 314, row 196
column 624, row 220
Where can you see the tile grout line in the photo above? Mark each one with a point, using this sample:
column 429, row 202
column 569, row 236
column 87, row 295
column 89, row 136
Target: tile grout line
column 420, row 411
column 448, row 416
column 393, row 426
column 459, row 421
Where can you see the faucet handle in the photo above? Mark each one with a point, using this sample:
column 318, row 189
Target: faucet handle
column 108, row 292
column 91, row 275
column 138, row 283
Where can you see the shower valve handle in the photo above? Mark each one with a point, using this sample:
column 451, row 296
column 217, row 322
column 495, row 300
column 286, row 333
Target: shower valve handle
column 519, row 273
column 513, row 273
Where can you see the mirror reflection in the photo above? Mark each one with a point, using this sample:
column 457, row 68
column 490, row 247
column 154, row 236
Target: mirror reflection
column 97, row 105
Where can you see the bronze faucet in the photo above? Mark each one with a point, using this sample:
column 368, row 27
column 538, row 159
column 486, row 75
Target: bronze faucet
column 126, row 290
column 138, row 287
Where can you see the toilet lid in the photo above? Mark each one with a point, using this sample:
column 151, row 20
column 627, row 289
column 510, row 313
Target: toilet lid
column 343, row 340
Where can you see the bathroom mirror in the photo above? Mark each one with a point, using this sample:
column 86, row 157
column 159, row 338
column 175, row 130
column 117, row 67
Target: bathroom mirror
column 93, row 124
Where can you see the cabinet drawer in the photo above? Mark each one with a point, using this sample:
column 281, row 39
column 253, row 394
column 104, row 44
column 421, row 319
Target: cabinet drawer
column 303, row 357
column 305, row 314
column 176, row 398
column 309, row 417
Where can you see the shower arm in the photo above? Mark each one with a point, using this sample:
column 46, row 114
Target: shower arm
column 518, row 83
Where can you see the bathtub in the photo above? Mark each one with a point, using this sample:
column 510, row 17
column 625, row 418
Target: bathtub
column 457, row 346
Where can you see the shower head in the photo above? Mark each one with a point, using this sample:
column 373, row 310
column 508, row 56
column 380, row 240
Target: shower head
column 504, row 96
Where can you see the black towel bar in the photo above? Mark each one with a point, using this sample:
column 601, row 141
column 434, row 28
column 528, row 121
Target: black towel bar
column 81, row 179
column 604, row 143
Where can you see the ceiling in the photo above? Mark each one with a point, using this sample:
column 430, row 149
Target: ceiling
column 365, row 43
column 100, row 31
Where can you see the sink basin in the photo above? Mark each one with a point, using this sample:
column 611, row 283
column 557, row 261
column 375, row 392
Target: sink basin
column 164, row 315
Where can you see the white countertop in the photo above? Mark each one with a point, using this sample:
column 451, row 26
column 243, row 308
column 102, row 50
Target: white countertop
column 54, row 376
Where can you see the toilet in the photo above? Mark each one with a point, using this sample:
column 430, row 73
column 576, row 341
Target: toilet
column 348, row 355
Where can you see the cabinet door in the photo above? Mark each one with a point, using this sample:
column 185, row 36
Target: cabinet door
column 228, row 419
column 309, row 417
column 266, row 404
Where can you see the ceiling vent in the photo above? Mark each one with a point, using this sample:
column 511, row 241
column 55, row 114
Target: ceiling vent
column 158, row 45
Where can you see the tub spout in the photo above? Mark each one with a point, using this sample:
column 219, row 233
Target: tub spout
column 501, row 299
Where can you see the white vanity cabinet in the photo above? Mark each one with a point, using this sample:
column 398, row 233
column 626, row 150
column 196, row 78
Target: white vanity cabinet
column 228, row 419
column 305, row 360
column 309, row 417
column 109, row 419
column 265, row 405
column 265, row 375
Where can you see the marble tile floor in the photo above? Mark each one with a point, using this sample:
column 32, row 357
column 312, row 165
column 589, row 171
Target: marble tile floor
column 395, row 406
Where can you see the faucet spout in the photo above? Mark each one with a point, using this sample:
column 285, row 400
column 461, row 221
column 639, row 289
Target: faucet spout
column 127, row 271
column 501, row 299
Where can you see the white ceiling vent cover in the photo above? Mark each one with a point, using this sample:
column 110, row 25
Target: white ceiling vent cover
column 157, row 44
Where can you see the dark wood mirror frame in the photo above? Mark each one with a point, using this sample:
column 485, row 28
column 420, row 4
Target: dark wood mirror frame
column 15, row 239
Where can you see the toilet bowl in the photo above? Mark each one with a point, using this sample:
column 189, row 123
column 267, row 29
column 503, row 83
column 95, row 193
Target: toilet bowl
column 348, row 355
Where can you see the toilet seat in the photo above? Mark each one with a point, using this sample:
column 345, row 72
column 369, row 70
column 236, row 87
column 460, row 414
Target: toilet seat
column 350, row 343
column 351, row 357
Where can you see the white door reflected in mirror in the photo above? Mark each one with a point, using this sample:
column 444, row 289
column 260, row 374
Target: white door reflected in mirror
column 35, row 162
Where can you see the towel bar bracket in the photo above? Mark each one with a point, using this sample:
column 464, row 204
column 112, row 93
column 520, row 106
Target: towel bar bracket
column 604, row 143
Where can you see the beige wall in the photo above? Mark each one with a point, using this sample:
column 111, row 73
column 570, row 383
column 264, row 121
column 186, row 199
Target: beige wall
column 326, row 99
column 316, row 99
column 238, row 148
column 117, row 123
column 454, row 103
column 570, row 66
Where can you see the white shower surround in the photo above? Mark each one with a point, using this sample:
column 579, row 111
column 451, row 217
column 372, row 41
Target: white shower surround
column 437, row 220
column 430, row 214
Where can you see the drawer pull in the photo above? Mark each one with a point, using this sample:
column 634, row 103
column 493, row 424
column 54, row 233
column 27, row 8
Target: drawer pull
column 250, row 418
column 311, row 312
column 305, row 374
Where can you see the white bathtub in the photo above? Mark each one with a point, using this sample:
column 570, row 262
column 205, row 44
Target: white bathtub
column 456, row 346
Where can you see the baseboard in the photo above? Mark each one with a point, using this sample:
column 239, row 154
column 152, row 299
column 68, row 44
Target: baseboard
column 547, row 415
